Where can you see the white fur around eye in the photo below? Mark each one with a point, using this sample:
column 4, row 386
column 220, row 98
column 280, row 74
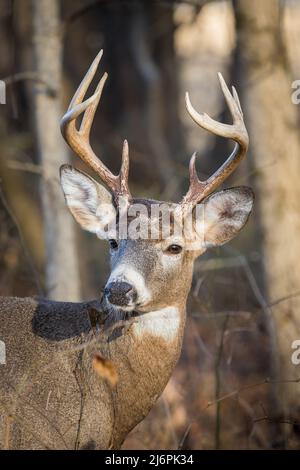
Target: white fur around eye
column 170, row 261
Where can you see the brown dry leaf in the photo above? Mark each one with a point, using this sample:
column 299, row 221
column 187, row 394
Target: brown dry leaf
column 105, row 369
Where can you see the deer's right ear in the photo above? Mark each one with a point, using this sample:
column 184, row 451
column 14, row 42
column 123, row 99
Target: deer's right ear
column 89, row 202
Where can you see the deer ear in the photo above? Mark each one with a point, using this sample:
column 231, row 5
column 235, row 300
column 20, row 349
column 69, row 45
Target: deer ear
column 89, row 202
column 225, row 214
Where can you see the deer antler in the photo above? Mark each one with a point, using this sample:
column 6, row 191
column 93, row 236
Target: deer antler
column 79, row 140
column 198, row 190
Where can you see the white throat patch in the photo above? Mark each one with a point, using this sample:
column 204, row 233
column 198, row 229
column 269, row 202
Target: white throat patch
column 163, row 323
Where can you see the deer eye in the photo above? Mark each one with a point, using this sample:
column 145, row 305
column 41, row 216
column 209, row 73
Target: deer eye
column 174, row 249
column 113, row 244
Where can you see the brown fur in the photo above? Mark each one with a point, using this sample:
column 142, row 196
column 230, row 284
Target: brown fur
column 50, row 390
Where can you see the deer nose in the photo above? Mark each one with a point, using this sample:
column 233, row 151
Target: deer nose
column 120, row 293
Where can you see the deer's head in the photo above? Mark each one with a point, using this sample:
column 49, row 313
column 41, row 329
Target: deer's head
column 153, row 244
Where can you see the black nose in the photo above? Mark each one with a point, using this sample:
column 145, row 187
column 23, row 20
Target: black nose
column 120, row 293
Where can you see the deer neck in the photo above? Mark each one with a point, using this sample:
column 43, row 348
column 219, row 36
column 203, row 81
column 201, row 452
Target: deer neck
column 145, row 357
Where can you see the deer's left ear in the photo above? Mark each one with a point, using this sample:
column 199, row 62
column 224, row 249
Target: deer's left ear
column 225, row 214
column 89, row 202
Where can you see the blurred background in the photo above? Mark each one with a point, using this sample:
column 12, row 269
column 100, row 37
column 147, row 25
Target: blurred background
column 235, row 386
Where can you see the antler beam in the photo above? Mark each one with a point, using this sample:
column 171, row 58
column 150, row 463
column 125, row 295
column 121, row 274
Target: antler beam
column 79, row 140
column 198, row 190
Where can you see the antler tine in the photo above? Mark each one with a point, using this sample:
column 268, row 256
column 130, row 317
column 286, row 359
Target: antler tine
column 86, row 81
column 231, row 102
column 88, row 117
column 79, row 140
column 237, row 100
column 237, row 131
column 124, row 167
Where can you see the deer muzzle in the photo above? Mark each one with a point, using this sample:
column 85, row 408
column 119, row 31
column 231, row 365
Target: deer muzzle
column 120, row 293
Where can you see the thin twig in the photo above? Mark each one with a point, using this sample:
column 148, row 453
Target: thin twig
column 27, row 167
column 29, row 76
column 293, row 422
column 21, row 421
column 240, row 390
column 184, row 437
column 169, row 419
column 283, row 299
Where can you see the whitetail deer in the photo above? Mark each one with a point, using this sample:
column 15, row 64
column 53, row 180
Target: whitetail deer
column 51, row 394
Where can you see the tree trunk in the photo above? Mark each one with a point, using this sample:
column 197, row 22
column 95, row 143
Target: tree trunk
column 62, row 273
column 271, row 118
